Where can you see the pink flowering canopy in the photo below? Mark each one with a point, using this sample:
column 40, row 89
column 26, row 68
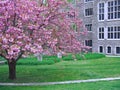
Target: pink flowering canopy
column 29, row 26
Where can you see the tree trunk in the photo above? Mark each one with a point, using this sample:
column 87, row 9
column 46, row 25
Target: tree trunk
column 12, row 69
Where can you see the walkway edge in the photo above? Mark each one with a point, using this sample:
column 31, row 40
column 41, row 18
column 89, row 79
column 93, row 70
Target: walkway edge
column 55, row 83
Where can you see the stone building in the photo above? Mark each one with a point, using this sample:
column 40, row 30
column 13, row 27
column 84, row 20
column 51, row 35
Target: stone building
column 102, row 20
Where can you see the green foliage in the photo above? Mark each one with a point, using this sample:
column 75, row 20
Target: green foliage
column 1, row 58
column 83, row 56
column 69, row 0
column 47, row 60
column 93, row 56
column 103, row 85
column 64, row 70
column 67, row 57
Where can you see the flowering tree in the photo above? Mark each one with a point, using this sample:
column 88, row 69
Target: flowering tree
column 30, row 27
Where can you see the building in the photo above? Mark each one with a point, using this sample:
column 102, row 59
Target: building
column 102, row 20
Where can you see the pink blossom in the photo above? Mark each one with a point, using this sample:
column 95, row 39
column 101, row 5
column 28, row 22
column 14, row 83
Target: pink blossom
column 29, row 27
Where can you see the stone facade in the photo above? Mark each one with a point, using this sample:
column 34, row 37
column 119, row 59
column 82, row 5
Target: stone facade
column 105, row 34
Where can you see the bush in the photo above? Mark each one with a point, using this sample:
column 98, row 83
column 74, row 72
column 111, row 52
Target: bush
column 94, row 55
column 83, row 56
column 80, row 56
column 48, row 60
column 33, row 61
column 1, row 58
column 67, row 57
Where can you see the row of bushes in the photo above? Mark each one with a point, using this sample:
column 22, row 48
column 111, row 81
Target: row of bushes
column 48, row 60
column 34, row 61
column 83, row 56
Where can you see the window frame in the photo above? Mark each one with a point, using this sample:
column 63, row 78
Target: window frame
column 117, row 26
column 89, row 26
column 101, row 33
column 88, row 1
column 102, row 9
column 89, row 15
column 113, row 10
column 90, row 45
column 99, row 48
column 107, row 49
column 116, row 50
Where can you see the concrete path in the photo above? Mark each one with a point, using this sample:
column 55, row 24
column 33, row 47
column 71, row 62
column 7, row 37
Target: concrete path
column 2, row 62
column 112, row 55
column 63, row 82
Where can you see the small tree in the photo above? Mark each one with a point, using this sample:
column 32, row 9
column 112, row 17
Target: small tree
column 29, row 27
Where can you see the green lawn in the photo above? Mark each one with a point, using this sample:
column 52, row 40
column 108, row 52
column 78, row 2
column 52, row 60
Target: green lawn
column 65, row 70
column 106, row 85
column 2, row 59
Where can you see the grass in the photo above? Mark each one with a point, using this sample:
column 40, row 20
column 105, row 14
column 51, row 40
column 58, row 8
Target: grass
column 64, row 70
column 83, row 56
column 2, row 59
column 106, row 85
column 48, row 60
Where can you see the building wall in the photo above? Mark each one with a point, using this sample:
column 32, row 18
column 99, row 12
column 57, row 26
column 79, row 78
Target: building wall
column 96, row 42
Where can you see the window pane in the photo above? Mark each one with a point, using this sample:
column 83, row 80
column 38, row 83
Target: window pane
column 101, row 11
column 114, row 9
column 101, row 33
column 108, row 49
column 89, row 11
column 101, row 49
column 118, row 50
column 88, row 42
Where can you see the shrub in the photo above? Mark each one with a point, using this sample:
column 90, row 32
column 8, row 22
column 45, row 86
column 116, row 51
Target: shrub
column 1, row 58
column 34, row 61
column 84, row 56
column 94, row 55
column 67, row 57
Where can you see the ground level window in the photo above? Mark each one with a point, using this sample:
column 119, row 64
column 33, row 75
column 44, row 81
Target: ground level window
column 109, row 50
column 117, row 50
column 101, row 49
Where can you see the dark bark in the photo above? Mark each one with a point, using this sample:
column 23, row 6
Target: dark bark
column 12, row 69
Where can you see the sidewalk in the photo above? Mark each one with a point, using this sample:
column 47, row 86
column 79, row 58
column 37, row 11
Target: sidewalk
column 2, row 62
column 63, row 82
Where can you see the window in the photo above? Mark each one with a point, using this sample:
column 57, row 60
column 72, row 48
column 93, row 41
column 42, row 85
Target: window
column 117, row 32
column 114, row 32
column 71, row 14
column 101, row 11
column 101, row 33
column 89, row 27
column 108, row 49
column 88, row 0
column 117, row 50
column 88, row 11
column 88, row 42
column 101, row 49
column 110, row 33
column 114, row 9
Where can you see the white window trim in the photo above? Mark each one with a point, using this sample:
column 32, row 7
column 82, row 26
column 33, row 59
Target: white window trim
column 85, row 43
column 98, row 33
column 88, row 15
column 99, row 49
column 105, row 13
column 88, row 1
column 107, row 49
column 115, row 50
column 107, row 32
column 91, row 28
